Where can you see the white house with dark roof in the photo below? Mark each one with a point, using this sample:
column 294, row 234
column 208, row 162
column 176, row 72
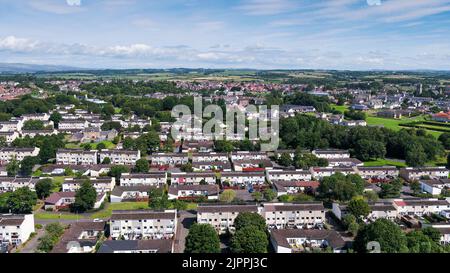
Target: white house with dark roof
column 120, row 157
column 252, row 165
column 9, row 136
column 304, row 240
column 197, row 178
column 209, row 157
column 436, row 186
column 15, row 229
column 62, row 200
column 243, row 178
column 71, row 124
column 379, row 209
column 130, row 193
column 101, row 184
column 293, row 215
column 289, row 175
column 419, row 207
column 7, row 154
column 284, row 187
column 11, row 184
column 76, row 157
column 221, row 166
column 378, row 172
column 411, row 174
column 221, row 217
column 143, row 224
column 210, row 192
column 331, row 153
column 169, row 159
column 154, row 179
column 246, row 155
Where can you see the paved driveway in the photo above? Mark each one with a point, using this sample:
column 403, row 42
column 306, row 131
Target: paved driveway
column 186, row 219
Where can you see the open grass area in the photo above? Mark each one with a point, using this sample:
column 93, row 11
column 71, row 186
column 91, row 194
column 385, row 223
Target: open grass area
column 396, row 124
column 57, row 216
column 340, row 108
column 384, row 162
column 107, row 211
column 108, row 144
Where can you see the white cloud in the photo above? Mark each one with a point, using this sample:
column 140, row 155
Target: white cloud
column 73, row 2
column 12, row 43
column 56, row 7
column 267, row 7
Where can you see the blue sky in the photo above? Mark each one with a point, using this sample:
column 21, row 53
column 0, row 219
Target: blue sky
column 264, row 34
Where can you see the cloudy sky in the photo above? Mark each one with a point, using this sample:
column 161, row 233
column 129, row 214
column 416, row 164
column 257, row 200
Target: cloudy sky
column 264, row 34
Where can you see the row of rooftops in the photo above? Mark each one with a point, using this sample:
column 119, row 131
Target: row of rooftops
column 11, row 219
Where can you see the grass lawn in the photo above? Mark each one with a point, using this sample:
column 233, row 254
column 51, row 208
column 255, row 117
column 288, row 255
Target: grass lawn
column 384, row 162
column 57, row 182
column 107, row 211
column 56, row 216
column 340, row 108
column 108, row 144
column 395, row 124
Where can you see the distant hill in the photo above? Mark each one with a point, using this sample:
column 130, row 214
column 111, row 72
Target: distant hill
column 32, row 68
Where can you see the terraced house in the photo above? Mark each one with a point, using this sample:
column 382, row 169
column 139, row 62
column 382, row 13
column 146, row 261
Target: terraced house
column 155, row 179
column 298, row 215
column 221, row 217
column 143, row 224
column 120, row 157
column 15, row 229
column 76, row 157
column 193, row 178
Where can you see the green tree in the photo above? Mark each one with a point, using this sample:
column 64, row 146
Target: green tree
column 13, row 167
column 202, row 238
column 249, row 239
column 245, row 219
column 269, row 194
column 391, row 190
column 285, row 160
column 141, row 166
column 179, row 205
column 187, row 167
column 386, row 233
column 223, row 146
column 21, row 201
column 358, row 208
column 257, row 196
column 33, row 125
column 44, row 187
column 56, row 118
column 158, row 199
column 227, row 196
column 85, row 197
column 350, row 223
column 106, row 160
column 341, row 187
column 27, row 165
column 101, row 146
column 116, row 171
column 416, row 156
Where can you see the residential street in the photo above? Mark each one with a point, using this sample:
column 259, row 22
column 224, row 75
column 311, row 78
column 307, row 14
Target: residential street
column 30, row 247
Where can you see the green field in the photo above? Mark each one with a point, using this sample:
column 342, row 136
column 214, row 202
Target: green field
column 57, row 216
column 396, row 124
column 107, row 211
column 108, row 144
column 384, row 162
column 340, row 108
